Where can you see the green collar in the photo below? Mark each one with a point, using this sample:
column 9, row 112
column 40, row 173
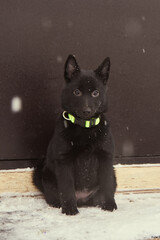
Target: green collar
column 81, row 122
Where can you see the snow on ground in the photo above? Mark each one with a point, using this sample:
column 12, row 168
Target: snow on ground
column 116, row 166
column 30, row 218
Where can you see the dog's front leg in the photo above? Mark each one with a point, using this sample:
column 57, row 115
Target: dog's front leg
column 107, row 182
column 65, row 180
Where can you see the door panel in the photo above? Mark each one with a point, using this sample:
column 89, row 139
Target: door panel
column 35, row 40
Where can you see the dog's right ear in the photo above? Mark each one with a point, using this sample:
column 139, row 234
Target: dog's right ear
column 103, row 70
column 71, row 68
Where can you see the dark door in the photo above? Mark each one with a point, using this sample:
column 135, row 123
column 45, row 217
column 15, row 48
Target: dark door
column 35, row 40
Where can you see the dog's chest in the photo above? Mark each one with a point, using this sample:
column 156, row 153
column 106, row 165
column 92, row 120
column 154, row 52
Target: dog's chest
column 86, row 171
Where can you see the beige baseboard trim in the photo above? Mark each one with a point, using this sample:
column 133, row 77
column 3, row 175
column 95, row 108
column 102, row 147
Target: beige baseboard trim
column 136, row 179
column 154, row 238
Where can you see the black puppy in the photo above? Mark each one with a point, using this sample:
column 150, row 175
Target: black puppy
column 78, row 170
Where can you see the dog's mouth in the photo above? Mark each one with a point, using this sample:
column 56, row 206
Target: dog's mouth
column 85, row 116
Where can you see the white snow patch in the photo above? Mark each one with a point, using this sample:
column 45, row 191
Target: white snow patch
column 18, row 170
column 137, row 165
column 137, row 218
column 116, row 166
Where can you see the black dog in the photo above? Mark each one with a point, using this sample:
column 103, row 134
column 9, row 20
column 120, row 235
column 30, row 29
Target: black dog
column 78, row 170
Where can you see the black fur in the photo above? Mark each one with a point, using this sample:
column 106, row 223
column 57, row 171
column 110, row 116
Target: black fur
column 78, row 169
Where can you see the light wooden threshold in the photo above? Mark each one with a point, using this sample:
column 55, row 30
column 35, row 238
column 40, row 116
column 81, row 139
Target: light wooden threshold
column 135, row 179
column 154, row 238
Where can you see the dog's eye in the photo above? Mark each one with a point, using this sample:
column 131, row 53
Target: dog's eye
column 95, row 93
column 77, row 93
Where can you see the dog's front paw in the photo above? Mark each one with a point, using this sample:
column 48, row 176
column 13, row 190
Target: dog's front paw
column 55, row 204
column 109, row 205
column 70, row 209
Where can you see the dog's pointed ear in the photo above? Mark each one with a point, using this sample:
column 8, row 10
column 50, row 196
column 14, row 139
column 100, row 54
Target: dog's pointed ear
column 103, row 70
column 71, row 68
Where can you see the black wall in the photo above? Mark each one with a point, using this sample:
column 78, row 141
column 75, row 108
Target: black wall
column 35, row 40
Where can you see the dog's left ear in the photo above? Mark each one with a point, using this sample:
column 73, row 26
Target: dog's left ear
column 71, row 68
column 103, row 70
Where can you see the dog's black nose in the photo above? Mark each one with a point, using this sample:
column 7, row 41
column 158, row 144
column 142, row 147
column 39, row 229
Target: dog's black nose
column 86, row 111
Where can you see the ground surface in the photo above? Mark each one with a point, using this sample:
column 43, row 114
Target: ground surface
column 27, row 217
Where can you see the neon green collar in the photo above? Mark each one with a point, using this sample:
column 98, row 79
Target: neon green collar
column 83, row 123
